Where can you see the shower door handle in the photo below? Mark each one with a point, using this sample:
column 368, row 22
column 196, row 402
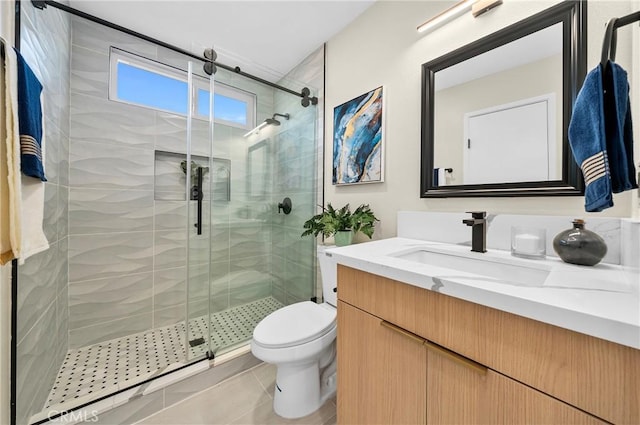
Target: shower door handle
column 196, row 193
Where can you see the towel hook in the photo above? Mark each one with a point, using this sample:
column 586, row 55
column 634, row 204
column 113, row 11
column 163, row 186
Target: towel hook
column 609, row 43
column 610, row 38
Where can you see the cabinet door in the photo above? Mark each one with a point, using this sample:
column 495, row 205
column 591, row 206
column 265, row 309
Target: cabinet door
column 381, row 371
column 459, row 393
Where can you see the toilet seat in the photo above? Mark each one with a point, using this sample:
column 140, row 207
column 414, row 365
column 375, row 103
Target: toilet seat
column 294, row 324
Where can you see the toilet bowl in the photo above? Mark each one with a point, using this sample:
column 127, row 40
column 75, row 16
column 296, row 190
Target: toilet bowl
column 300, row 339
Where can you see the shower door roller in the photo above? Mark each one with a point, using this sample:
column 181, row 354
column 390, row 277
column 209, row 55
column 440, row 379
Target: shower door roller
column 284, row 206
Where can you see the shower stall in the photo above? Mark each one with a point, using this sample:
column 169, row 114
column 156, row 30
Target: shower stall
column 167, row 243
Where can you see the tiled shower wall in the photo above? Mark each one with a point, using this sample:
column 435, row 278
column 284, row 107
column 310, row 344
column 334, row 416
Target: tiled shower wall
column 127, row 252
column 42, row 280
column 297, row 173
column 127, row 243
column 241, row 239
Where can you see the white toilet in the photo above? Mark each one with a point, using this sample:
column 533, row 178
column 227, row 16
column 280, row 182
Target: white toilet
column 300, row 339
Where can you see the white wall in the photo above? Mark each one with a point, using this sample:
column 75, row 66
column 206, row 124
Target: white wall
column 6, row 31
column 382, row 47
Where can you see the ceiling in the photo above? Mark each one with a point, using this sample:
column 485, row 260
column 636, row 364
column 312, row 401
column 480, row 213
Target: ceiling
column 265, row 38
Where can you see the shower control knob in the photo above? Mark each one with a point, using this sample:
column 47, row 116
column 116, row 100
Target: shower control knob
column 285, row 206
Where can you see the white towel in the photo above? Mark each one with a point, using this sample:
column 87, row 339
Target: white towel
column 442, row 176
column 11, row 197
column 23, row 202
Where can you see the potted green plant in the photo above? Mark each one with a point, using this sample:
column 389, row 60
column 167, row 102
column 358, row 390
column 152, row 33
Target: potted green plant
column 341, row 223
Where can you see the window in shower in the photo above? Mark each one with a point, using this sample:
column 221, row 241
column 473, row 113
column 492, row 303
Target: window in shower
column 144, row 82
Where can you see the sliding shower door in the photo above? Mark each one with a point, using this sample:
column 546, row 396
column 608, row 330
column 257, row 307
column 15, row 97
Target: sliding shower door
column 199, row 192
column 259, row 261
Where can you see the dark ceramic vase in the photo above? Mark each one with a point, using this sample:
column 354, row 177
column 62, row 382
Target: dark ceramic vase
column 579, row 245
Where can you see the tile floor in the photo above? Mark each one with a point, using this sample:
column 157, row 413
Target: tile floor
column 101, row 368
column 246, row 398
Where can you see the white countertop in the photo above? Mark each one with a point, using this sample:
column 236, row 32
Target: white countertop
column 602, row 301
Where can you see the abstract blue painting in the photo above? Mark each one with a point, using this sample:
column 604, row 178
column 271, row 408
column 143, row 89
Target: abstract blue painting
column 357, row 140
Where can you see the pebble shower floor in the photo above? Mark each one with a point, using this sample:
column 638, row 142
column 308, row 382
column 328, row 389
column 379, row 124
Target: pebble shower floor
column 131, row 359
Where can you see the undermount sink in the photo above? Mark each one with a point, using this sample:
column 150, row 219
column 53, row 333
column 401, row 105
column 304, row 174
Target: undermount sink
column 505, row 270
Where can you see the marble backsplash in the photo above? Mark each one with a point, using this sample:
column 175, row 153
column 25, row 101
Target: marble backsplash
column 621, row 235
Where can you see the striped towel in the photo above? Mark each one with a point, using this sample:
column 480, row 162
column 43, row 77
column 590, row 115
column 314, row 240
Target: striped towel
column 588, row 143
column 30, row 121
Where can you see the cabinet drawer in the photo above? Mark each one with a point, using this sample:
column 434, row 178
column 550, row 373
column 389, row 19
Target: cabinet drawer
column 592, row 374
column 461, row 395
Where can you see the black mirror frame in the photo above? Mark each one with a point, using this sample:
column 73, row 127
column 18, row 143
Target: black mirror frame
column 573, row 15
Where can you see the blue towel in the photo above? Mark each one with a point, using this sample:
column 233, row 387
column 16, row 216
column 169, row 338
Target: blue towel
column 618, row 128
column 30, row 121
column 588, row 143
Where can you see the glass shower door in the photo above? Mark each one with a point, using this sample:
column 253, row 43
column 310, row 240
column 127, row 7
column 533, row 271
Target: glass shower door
column 198, row 188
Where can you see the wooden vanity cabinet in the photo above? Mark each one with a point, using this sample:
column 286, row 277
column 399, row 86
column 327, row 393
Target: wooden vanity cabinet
column 382, row 373
column 407, row 355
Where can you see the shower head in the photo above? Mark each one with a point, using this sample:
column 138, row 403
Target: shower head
column 268, row 121
column 274, row 121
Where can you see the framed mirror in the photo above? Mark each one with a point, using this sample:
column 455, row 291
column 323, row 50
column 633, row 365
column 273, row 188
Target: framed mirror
column 495, row 113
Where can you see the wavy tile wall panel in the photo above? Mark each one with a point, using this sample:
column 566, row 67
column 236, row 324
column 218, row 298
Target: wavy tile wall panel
column 111, row 123
column 107, row 211
column 98, row 165
column 82, row 337
column 198, row 284
column 104, row 300
column 249, row 294
column 62, row 320
column 37, row 288
column 170, row 215
column 249, row 279
column 90, row 72
column 295, row 176
column 49, row 221
column 36, row 370
column 62, row 265
column 109, row 255
column 169, row 315
column 220, row 242
column 63, row 169
column 199, row 245
column 169, row 179
column 249, row 241
column 299, row 280
column 171, row 134
column 100, row 38
column 62, row 216
column 220, row 272
column 42, row 312
column 53, row 145
column 169, row 287
column 170, row 249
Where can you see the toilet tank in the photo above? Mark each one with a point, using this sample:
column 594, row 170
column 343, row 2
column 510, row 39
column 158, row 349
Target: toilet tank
column 329, row 273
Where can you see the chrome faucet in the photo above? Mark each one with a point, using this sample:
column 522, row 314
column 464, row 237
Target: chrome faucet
column 478, row 223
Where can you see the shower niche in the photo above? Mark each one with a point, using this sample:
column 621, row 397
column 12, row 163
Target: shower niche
column 170, row 176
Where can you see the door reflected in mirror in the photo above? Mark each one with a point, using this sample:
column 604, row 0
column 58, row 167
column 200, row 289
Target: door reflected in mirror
column 496, row 112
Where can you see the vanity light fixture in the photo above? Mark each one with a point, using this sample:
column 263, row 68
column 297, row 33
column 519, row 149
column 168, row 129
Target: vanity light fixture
column 446, row 15
column 483, row 6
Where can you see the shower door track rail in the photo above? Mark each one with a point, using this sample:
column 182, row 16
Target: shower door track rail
column 208, row 357
column 304, row 93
